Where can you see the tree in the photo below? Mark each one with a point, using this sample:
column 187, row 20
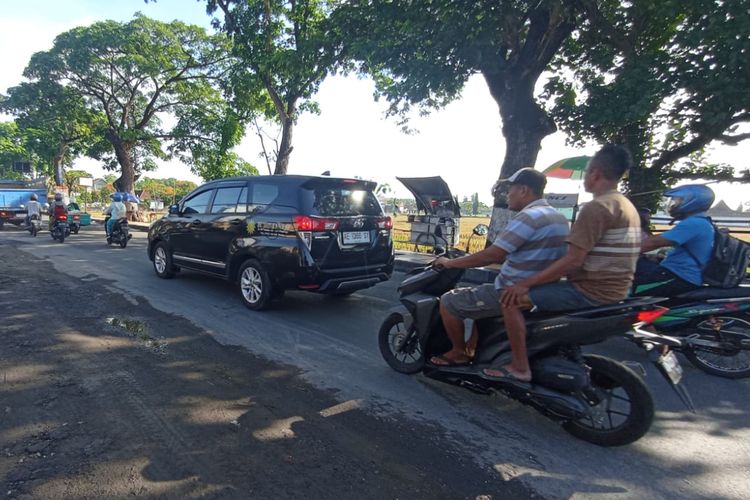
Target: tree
column 421, row 52
column 56, row 118
column 134, row 74
column 72, row 177
column 287, row 48
column 475, row 204
column 664, row 78
column 12, row 149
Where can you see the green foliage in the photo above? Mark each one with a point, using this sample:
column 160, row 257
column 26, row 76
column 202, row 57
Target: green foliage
column 165, row 190
column 287, row 48
column 664, row 78
column 55, row 118
column 72, row 177
column 135, row 74
column 14, row 146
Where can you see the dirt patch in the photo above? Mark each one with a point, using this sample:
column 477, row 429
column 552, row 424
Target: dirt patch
column 100, row 398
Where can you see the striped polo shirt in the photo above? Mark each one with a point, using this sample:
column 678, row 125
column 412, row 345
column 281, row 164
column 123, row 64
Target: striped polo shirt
column 609, row 230
column 534, row 238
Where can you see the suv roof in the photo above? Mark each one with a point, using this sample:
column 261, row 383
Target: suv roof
column 292, row 179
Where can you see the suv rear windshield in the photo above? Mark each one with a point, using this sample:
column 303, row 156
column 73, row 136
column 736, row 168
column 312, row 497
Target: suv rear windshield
column 340, row 199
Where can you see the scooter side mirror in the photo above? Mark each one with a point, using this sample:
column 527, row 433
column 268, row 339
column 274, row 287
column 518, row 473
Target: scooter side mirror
column 481, row 229
column 174, row 209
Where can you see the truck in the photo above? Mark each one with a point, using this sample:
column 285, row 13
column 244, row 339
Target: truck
column 15, row 194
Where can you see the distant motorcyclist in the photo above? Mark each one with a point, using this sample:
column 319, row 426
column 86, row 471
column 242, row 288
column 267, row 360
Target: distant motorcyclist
column 692, row 241
column 116, row 211
column 57, row 208
column 33, row 208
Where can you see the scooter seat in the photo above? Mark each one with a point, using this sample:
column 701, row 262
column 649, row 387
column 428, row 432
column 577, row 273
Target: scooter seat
column 709, row 292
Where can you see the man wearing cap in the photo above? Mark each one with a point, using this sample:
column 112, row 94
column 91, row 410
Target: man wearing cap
column 603, row 247
column 532, row 240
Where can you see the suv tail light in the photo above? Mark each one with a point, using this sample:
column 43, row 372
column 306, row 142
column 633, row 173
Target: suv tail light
column 385, row 223
column 315, row 224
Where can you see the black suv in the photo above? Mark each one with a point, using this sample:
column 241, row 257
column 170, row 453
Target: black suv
column 272, row 233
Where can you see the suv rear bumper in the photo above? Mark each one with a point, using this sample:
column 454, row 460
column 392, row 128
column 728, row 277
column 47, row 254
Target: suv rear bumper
column 352, row 283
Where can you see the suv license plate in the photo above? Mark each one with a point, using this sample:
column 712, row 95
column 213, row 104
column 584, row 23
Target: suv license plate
column 671, row 367
column 354, row 237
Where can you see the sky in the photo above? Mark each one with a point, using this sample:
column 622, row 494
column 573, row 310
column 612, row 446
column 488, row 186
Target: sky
column 350, row 137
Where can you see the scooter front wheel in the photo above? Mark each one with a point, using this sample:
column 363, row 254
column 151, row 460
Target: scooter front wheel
column 622, row 408
column 731, row 357
column 392, row 334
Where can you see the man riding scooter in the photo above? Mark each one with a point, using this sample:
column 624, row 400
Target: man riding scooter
column 115, row 211
column 57, row 209
column 692, row 241
column 33, row 208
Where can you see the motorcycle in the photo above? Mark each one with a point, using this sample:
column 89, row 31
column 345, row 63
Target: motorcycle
column 120, row 232
column 596, row 399
column 75, row 223
column 34, row 225
column 713, row 327
column 60, row 229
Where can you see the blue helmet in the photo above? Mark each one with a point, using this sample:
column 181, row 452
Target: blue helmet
column 690, row 199
column 117, row 197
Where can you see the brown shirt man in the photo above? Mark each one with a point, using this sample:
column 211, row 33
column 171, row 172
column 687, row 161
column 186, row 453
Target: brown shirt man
column 609, row 229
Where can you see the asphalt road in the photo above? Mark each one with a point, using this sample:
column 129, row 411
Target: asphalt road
column 333, row 341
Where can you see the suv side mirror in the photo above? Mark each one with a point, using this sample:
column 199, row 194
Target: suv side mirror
column 174, row 210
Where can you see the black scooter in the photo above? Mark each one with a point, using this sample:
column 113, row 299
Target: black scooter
column 34, row 225
column 120, row 234
column 596, row 399
column 60, row 229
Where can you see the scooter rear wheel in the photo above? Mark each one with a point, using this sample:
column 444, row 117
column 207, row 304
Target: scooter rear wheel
column 392, row 333
column 625, row 409
column 728, row 362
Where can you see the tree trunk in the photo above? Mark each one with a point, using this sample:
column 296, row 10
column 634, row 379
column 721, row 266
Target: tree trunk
column 57, row 164
column 525, row 124
column 285, row 148
column 124, row 153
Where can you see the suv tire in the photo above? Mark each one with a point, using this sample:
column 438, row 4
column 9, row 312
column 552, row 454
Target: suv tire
column 162, row 261
column 255, row 285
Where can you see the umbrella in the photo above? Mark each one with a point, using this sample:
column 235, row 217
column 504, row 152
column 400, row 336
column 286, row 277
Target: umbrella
column 130, row 197
column 569, row 168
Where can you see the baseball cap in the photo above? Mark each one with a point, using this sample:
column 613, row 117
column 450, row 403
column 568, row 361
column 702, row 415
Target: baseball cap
column 528, row 177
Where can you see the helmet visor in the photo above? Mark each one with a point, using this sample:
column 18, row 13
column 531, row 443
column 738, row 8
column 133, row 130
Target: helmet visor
column 673, row 206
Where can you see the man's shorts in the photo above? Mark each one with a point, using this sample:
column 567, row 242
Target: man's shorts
column 560, row 296
column 475, row 302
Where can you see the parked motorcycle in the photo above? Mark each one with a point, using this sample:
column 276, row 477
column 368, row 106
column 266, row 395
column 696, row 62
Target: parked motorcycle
column 597, row 399
column 120, row 233
column 60, row 229
column 713, row 326
column 34, row 225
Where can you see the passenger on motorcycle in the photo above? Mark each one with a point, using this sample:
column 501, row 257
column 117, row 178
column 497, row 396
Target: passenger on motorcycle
column 33, row 208
column 603, row 247
column 532, row 240
column 57, row 208
column 116, row 211
column 692, row 241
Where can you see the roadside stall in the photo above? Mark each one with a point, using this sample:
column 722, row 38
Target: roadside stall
column 438, row 218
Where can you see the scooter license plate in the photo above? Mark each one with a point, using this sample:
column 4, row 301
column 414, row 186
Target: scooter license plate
column 671, row 367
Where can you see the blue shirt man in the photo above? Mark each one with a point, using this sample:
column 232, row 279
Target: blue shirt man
column 693, row 240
